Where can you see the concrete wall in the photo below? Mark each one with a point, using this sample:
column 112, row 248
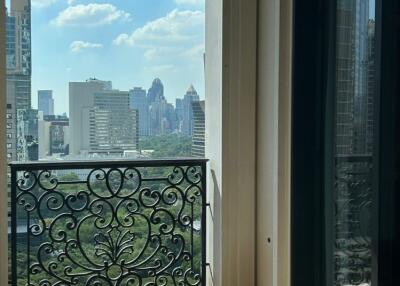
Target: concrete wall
column 231, row 44
column 248, row 121
column 274, row 142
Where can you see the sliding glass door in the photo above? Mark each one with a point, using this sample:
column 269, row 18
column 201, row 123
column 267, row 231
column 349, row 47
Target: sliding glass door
column 346, row 143
column 350, row 181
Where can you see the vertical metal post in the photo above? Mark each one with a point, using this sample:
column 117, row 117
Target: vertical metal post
column 203, row 222
column 14, row 234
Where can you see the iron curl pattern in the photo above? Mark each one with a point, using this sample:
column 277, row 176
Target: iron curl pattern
column 136, row 223
column 353, row 202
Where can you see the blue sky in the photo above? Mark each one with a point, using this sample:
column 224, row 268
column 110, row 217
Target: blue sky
column 127, row 41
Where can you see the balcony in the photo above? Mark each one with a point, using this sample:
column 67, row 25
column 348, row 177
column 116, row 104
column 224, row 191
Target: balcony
column 109, row 223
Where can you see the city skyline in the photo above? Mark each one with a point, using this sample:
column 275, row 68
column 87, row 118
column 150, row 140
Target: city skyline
column 115, row 44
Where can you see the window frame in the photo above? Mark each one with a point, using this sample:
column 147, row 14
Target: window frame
column 3, row 167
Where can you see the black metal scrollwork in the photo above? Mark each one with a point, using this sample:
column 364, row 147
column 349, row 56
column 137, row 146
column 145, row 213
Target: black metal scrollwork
column 113, row 225
column 353, row 191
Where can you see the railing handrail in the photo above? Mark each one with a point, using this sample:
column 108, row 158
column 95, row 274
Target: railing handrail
column 116, row 202
column 105, row 163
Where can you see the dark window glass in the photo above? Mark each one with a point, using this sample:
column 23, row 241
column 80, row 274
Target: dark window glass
column 352, row 185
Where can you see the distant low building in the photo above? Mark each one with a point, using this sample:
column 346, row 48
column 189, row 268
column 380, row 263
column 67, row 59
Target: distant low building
column 53, row 135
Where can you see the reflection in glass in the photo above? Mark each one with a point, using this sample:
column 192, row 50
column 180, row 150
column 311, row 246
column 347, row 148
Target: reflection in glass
column 355, row 89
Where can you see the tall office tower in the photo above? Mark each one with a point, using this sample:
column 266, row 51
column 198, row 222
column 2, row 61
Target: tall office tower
column 158, row 119
column 371, row 87
column 172, row 119
column 27, row 135
column 18, row 71
column 199, row 129
column 18, row 60
column 345, row 80
column 138, row 101
column 179, row 113
column 46, row 102
column 187, row 123
column 110, row 125
column 352, row 77
column 81, row 95
column 18, row 54
column 156, row 91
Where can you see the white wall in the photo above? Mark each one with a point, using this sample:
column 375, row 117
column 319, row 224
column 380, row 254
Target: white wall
column 230, row 59
column 248, row 116
column 274, row 142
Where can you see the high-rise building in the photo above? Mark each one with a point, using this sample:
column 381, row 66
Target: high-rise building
column 18, row 73
column 110, row 125
column 46, row 102
column 353, row 102
column 18, row 54
column 27, row 135
column 199, row 130
column 158, row 119
column 156, row 91
column 187, row 121
column 179, row 113
column 371, row 89
column 138, row 101
column 81, row 96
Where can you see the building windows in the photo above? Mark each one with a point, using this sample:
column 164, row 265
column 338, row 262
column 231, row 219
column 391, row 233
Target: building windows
column 9, row 145
column 9, row 136
column 9, row 116
column 9, row 126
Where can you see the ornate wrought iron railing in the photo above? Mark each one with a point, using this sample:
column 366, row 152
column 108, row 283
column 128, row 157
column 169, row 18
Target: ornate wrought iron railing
column 353, row 220
column 109, row 223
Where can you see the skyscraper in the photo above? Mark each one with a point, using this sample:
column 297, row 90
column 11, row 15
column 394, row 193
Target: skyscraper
column 81, row 95
column 179, row 113
column 18, row 61
column 138, row 101
column 27, row 135
column 156, row 91
column 199, row 130
column 46, row 102
column 158, row 119
column 18, row 73
column 18, row 54
column 110, row 125
column 187, row 122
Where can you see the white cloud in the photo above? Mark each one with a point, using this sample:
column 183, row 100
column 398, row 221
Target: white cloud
column 177, row 26
column 90, row 15
column 78, row 46
column 177, row 32
column 159, row 68
column 196, row 51
column 190, row 2
column 42, row 3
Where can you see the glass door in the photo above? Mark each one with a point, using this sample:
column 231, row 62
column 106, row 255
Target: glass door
column 350, row 181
